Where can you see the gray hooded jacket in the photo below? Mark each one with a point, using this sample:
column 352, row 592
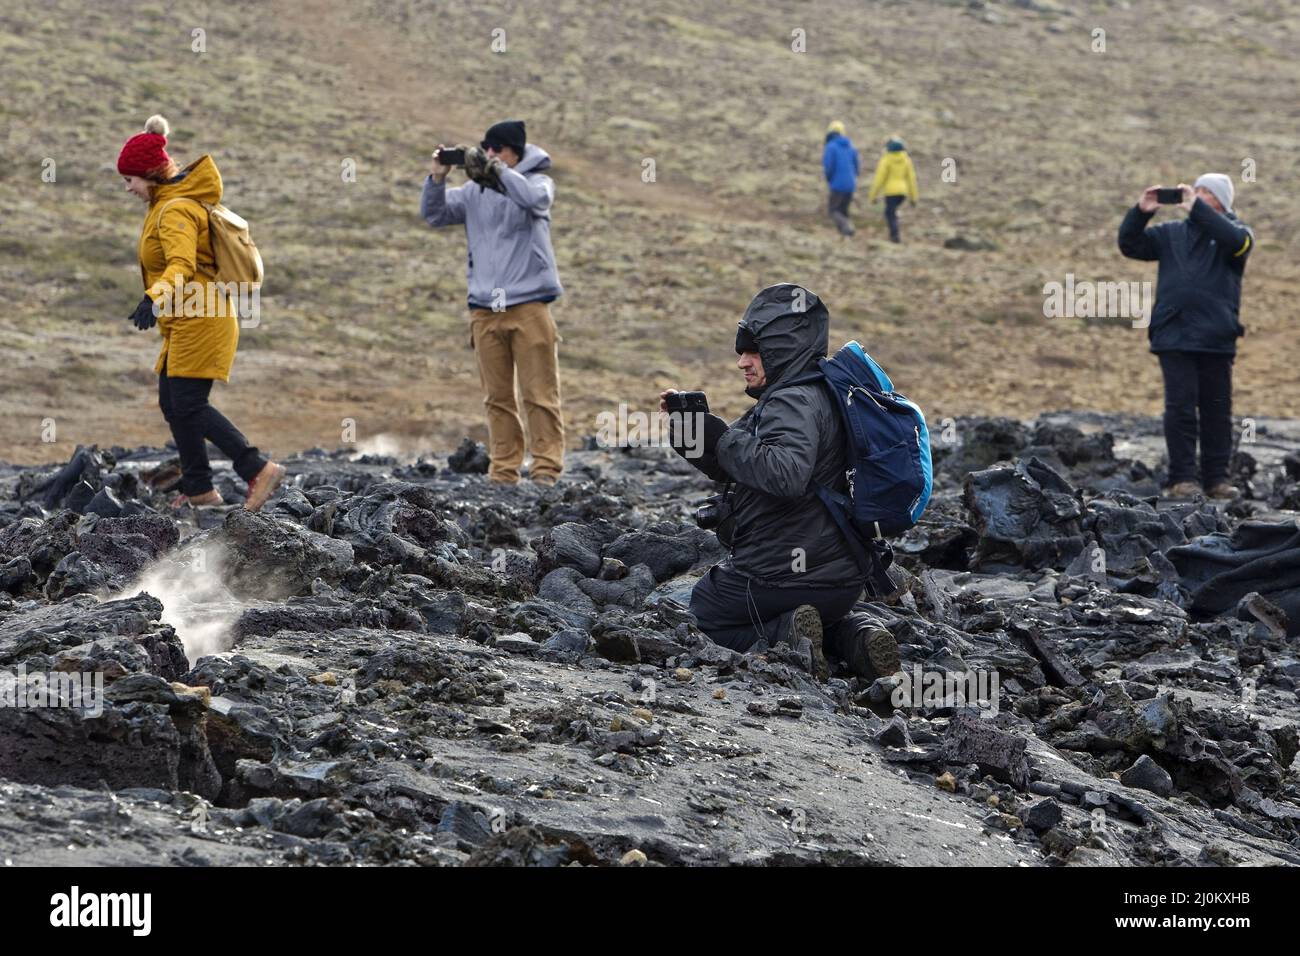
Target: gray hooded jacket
column 509, row 234
column 791, row 438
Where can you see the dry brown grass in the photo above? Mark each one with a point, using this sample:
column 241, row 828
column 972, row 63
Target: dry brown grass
column 364, row 309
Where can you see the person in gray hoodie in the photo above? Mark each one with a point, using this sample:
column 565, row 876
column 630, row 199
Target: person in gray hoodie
column 512, row 279
column 790, row 573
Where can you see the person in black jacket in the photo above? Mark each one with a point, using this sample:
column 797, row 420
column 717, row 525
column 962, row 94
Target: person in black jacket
column 1195, row 324
column 790, row 573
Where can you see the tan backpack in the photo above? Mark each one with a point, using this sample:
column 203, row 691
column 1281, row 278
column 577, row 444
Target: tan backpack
column 233, row 250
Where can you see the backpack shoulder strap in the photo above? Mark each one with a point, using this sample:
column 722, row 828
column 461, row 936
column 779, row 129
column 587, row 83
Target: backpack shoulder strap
column 874, row 557
column 205, row 207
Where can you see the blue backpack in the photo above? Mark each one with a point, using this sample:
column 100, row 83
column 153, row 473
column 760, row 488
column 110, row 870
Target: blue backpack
column 888, row 454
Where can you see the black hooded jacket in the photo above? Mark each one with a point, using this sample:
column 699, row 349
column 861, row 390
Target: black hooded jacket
column 793, row 437
column 1198, row 288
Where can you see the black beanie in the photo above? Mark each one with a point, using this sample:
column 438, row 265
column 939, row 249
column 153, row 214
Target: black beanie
column 745, row 341
column 506, row 133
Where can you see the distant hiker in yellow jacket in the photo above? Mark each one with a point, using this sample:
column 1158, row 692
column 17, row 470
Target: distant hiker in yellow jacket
column 895, row 180
column 199, row 334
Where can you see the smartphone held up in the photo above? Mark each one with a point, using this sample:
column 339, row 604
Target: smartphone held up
column 448, row 156
column 687, row 402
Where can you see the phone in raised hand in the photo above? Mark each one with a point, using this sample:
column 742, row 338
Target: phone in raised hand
column 451, row 157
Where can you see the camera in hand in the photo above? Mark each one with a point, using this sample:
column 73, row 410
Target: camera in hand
column 687, row 402
column 1169, row 197
column 451, row 157
column 715, row 510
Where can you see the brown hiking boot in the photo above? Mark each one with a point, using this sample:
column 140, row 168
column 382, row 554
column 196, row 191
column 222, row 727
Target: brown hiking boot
column 803, row 633
column 264, row 485
column 209, row 499
column 872, row 652
column 1224, row 489
column 1184, row 489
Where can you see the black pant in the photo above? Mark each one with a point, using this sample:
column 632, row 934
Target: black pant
column 1198, row 380
column 838, row 207
column 184, row 403
column 737, row 614
column 891, row 214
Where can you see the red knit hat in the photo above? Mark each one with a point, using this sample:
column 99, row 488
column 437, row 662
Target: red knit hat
column 143, row 152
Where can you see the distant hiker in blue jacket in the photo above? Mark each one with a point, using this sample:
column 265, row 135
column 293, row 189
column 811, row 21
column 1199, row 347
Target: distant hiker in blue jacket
column 1194, row 324
column 840, row 164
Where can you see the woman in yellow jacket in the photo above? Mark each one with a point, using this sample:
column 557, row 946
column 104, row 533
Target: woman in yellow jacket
column 895, row 180
column 198, row 321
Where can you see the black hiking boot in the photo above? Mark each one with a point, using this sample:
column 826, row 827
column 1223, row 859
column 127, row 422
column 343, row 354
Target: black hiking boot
column 801, row 630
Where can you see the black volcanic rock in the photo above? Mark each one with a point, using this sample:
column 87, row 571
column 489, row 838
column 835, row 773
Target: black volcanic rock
column 1146, row 774
column 270, row 558
column 573, row 545
column 471, row 458
column 44, row 543
column 665, row 555
column 397, row 664
column 1026, row 515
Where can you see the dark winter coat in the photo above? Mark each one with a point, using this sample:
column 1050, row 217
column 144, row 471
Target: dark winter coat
column 1198, row 287
column 792, row 437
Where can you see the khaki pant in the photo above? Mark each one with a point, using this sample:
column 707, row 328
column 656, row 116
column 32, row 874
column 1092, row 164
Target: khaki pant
column 521, row 339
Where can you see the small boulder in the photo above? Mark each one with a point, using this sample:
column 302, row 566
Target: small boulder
column 1146, row 774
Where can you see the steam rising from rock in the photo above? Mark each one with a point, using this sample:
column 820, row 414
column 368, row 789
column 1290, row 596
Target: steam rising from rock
column 190, row 583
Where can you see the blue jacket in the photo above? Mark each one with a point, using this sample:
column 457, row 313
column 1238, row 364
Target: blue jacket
column 840, row 164
column 1198, row 287
column 509, row 233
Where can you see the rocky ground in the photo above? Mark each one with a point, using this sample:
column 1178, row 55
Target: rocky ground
column 397, row 664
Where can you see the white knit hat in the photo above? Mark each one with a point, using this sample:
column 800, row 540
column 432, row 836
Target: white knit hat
column 1220, row 186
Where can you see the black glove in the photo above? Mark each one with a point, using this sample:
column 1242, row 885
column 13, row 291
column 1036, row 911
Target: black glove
column 706, row 431
column 714, row 429
column 145, row 315
column 704, row 434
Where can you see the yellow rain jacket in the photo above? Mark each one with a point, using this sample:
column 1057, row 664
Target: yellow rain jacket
column 895, row 176
column 202, row 331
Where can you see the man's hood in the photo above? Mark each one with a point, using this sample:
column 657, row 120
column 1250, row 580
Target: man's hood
column 792, row 328
column 200, row 181
column 535, row 159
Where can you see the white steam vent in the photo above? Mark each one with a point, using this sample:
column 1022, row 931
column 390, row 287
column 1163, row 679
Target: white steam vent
column 196, row 602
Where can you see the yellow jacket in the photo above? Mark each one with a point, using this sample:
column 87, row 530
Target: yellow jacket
column 895, row 176
column 200, row 329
